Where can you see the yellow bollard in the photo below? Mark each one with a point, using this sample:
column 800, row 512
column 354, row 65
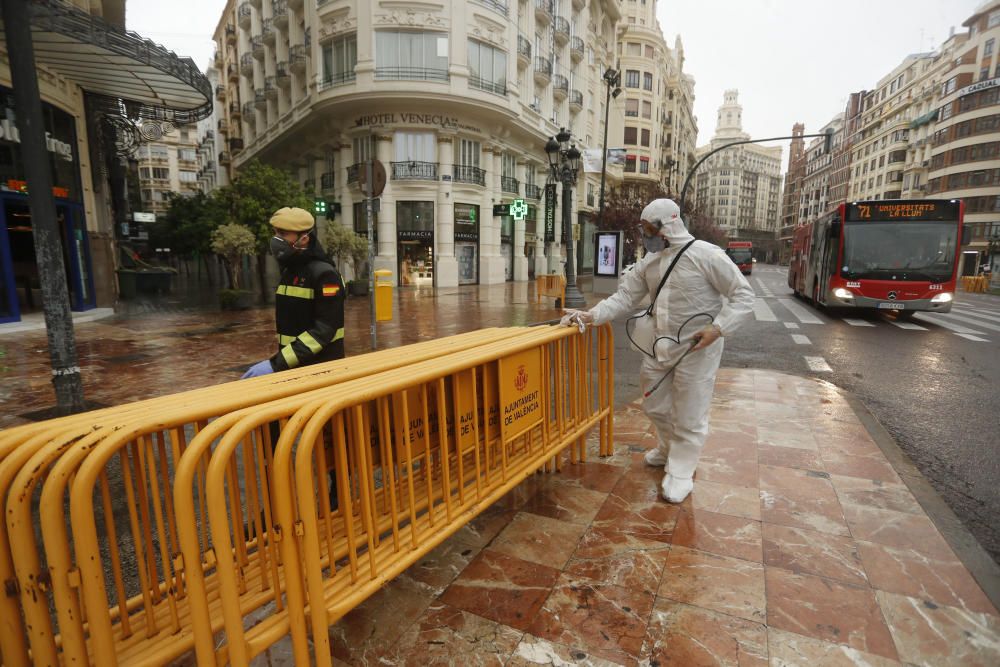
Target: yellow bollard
column 383, row 295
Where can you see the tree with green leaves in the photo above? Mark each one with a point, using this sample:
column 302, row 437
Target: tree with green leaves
column 231, row 242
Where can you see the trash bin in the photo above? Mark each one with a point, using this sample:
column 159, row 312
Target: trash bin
column 383, row 295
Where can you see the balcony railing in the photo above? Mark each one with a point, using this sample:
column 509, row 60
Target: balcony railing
column 281, row 74
column 576, row 99
column 499, row 6
column 414, row 171
column 220, row 92
column 353, row 172
column 510, row 184
column 234, row 108
column 279, row 13
column 224, row 157
column 223, row 125
column 523, row 49
column 543, row 68
column 561, row 29
column 411, row 73
column 267, row 31
column 248, row 113
column 560, row 85
column 230, row 34
column 337, row 79
column 576, row 48
column 260, row 99
column 246, row 64
column 243, row 14
column 270, row 89
column 495, row 87
column 326, row 181
column 466, row 174
column 543, row 10
column 532, row 191
column 257, row 46
column 233, row 72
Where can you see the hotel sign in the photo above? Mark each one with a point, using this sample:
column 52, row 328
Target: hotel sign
column 410, row 118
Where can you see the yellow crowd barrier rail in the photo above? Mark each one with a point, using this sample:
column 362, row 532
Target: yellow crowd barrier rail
column 976, row 283
column 550, row 284
column 188, row 520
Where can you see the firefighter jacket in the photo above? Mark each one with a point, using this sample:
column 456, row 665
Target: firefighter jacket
column 309, row 310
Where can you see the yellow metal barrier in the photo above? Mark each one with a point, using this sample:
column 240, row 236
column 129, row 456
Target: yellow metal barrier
column 198, row 545
column 979, row 283
column 550, row 284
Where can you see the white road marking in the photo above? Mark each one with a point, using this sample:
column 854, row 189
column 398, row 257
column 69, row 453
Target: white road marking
column 941, row 322
column 818, row 364
column 907, row 325
column 791, row 325
column 763, row 312
column 801, row 340
column 800, row 313
column 976, row 313
column 969, row 320
column 971, row 337
column 858, row 323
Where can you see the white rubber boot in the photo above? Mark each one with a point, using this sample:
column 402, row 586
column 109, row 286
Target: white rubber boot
column 655, row 458
column 675, row 490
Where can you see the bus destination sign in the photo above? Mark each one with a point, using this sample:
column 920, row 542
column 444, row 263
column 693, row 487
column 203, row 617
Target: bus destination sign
column 876, row 211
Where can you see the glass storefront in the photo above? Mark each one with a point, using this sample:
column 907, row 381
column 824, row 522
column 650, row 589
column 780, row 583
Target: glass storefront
column 467, row 243
column 415, row 242
column 507, row 246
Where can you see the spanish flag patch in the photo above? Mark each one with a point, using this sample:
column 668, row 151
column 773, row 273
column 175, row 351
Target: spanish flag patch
column 331, row 290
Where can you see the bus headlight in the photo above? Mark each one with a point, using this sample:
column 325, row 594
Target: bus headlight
column 842, row 293
column 943, row 297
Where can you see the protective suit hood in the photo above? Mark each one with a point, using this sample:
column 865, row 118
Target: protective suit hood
column 667, row 215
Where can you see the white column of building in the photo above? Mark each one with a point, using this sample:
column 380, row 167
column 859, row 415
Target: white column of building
column 520, row 261
column 386, row 257
column 445, row 264
column 489, row 227
column 345, row 195
column 493, row 268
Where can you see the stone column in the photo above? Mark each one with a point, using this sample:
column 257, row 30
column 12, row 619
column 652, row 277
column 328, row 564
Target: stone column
column 386, row 257
column 520, row 260
column 491, row 266
column 445, row 264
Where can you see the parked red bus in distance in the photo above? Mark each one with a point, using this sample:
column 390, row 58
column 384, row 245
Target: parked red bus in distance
column 741, row 252
column 886, row 255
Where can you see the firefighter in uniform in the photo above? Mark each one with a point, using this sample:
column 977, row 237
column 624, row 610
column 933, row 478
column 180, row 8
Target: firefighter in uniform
column 309, row 302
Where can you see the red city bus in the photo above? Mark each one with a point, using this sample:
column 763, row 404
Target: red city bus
column 888, row 255
column 741, row 252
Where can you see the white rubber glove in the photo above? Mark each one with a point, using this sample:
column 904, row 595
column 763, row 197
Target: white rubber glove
column 578, row 318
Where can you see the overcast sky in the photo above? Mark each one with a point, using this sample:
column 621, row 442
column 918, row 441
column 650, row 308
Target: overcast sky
column 792, row 60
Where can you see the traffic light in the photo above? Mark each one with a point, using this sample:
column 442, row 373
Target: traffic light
column 319, row 207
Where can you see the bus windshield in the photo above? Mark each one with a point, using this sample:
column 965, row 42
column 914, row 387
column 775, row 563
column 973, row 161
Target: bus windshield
column 739, row 255
column 900, row 251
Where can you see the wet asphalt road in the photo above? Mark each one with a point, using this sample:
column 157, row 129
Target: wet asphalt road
column 936, row 392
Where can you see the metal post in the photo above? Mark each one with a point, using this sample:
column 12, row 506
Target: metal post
column 369, row 204
column 574, row 298
column 48, row 246
column 604, row 147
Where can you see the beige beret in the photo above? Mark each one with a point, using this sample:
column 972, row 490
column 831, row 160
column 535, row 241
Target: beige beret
column 293, row 219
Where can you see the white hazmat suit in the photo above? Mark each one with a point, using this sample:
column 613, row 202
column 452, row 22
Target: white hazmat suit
column 704, row 280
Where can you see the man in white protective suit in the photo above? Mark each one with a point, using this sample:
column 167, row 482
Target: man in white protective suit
column 704, row 299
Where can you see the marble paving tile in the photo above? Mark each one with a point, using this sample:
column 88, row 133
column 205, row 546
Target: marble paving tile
column 442, row 565
column 930, row 634
column 727, row 499
column 719, row 534
column 854, row 465
column 502, row 588
column 652, row 519
column 605, row 620
column 897, row 529
column 538, row 539
column 591, row 475
column 724, row 469
column 801, row 438
column 378, row 622
column 942, row 581
column 481, row 530
column 875, row 493
column 827, row 610
column 789, row 457
column 682, row 635
column 566, row 503
column 536, row 651
column 726, row 585
column 787, row 649
column 812, row 552
column 523, row 492
column 445, row 635
column 800, row 498
column 615, row 557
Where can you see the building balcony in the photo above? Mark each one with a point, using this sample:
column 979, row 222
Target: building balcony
column 543, row 70
column 561, row 30
column 246, row 64
column 267, row 32
column 466, row 174
column 223, row 126
column 327, row 182
column 281, row 74
column 234, row 110
column 230, row 35
column 532, row 191
column 337, row 79
column 233, row 73
column 217, row 59
column 576, row 49
column 260, row 99
column 353, row 172
column 235, row 144
column 248, row 112
column 560, row 86
column 414, row 171
column 243, row 15
column 297, row 58
column 257, row 46
column 224, row 157
column 220, row 92
column 510, row 184
column 495, row 87
column 270, row 88
column 543, row 11
column 575, row 100
column 411, row 74
column 279, row 14
column 523, row 52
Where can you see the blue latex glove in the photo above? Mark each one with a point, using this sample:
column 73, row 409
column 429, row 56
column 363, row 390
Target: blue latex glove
column 258, row 369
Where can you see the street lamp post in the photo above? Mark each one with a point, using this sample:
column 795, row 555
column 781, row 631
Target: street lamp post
column 564, row 163
column 611, row 79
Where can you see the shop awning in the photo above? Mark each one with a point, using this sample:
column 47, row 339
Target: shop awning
column 120, row 65
column 923, row 120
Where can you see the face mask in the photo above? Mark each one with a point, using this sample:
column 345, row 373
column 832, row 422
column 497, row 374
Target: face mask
column 282, row 250
column 654, row 243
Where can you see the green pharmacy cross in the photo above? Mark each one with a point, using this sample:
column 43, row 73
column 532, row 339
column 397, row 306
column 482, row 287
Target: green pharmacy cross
column 518, row 209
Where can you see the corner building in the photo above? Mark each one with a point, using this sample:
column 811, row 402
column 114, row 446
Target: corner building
column 456, row 99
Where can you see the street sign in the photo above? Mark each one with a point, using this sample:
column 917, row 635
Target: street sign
column 518, row 209
column 501, row 209
column 143, row 217
column 378, row 178
column 550, row 213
